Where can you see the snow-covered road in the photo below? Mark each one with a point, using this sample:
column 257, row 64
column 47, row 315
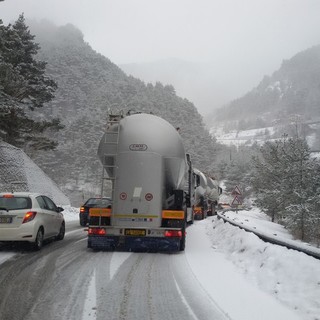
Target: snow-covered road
column 68, row 281
column 224, row 271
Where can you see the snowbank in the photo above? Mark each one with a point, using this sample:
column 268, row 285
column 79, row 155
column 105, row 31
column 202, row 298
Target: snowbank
column 289, row 276
column 19, row 173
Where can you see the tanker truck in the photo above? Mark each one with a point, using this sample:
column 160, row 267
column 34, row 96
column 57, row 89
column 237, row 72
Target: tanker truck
column 213, row 193
column 144, row 160
column 200, row 203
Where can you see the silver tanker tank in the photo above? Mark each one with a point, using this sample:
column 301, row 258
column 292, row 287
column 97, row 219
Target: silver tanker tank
column 200, row 203
column 212, row 195
column 145, row 157
column 212, row 189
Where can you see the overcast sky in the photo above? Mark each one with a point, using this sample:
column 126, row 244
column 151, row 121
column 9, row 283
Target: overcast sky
column 251, row 36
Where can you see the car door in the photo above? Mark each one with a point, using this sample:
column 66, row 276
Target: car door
column 46, row 217
column 55, row 216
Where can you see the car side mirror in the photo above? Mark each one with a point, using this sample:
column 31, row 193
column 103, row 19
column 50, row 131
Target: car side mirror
column 59, row 209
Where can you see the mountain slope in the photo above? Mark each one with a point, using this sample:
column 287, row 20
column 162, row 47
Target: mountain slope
column 292, row 90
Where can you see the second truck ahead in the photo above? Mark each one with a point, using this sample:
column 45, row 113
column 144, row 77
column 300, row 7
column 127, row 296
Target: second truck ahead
column 151, row 186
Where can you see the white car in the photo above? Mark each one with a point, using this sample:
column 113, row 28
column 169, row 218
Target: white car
column 30, row 217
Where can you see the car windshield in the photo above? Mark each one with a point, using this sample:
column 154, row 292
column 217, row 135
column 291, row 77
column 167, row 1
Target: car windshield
column 98, row 203
column 15, row 203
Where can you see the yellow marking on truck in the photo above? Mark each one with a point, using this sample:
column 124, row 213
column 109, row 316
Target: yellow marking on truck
column 135, row 232
column 172, row 214
column 100, row 212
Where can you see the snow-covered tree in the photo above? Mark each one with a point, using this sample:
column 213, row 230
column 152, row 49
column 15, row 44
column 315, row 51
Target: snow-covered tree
column 305, row 185
column 24, row 87
column 233, row 167
column 313, row 222
column 267, row 179
column 286, row 185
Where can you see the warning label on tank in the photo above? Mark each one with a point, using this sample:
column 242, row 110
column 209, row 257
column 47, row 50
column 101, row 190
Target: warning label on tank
column 138, row 147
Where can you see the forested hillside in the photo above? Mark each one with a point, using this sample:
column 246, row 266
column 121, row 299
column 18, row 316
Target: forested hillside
column 88, row 85
column 292, row 90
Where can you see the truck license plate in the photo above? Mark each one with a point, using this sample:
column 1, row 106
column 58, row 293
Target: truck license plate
column 5, row 219
column 135, row 232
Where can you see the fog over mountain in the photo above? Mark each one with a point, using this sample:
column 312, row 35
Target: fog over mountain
column 209, row 85
column 223, row 47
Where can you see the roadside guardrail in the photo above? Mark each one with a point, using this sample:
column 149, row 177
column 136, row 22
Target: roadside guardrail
column 290, row 244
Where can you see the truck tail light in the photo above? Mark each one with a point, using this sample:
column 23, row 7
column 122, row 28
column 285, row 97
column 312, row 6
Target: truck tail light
column 82, row 209
column 173, row 233
column 97, row 231
column 29, row 216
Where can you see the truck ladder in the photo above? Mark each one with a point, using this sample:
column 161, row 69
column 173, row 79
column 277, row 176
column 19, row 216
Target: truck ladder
column 111, row 139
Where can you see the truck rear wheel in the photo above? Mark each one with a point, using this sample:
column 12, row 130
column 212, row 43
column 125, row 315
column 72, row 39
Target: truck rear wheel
column 183, row 243
column 183, row 239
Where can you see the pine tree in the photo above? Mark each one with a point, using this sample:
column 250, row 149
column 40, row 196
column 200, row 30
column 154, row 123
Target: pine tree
column 235, row 168
column 286, row 185
column 313, row 222
column 300, row 191
column 24, row 87
column 267, row 179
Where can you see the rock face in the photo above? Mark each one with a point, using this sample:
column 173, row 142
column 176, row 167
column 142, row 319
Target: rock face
column 19, row 173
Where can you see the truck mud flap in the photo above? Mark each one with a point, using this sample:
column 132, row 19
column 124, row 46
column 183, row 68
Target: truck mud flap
column 102, row 243
column 143, row 244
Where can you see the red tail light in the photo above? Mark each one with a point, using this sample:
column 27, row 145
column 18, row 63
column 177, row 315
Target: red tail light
column 97, row 231
column 173, row 233
column 82, row 209
column 29, row 216
column 8, row 195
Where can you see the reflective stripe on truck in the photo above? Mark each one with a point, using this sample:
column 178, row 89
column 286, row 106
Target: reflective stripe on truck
column 153, row 232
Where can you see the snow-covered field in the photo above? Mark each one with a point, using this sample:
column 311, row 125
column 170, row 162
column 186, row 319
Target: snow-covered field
column 242, row 137
column 246, row 277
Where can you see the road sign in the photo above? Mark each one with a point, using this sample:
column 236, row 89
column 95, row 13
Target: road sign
column 236, row 201
column 236, row 191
